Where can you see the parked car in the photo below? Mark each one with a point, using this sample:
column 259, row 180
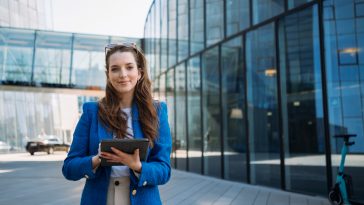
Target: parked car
column 48, row 144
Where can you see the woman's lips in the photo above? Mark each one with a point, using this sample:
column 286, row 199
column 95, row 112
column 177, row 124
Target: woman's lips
column 123, row 82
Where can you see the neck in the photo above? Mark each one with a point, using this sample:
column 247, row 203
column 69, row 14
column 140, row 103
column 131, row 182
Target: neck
column 126, row 101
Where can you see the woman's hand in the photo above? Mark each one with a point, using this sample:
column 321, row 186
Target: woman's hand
column 130, row 160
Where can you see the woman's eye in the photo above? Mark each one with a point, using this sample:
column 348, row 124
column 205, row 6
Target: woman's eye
column 130, row 68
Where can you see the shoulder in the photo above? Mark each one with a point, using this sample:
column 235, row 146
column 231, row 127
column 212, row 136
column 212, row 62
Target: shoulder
column 160, row 106
column 90, row 106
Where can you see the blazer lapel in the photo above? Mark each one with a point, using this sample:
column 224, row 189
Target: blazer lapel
column 103, row 133
column 137, row 130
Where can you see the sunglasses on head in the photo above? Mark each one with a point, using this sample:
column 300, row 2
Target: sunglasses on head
column 110, row 46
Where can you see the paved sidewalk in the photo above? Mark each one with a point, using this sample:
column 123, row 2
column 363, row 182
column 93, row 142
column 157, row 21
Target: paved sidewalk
column 193, row 189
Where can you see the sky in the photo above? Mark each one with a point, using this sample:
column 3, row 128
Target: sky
column 124, row 18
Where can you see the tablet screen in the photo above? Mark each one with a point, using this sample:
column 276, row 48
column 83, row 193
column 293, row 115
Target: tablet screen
column 124, row 145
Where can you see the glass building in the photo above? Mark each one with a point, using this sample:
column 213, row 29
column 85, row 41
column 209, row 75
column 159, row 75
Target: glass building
column 257, row 90
column 34, row 14
column 45, row 77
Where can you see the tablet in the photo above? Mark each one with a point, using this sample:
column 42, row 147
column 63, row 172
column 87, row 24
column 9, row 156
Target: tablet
column 125, row 145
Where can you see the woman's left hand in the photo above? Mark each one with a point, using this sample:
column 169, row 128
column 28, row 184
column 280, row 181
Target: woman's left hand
column 130, row 160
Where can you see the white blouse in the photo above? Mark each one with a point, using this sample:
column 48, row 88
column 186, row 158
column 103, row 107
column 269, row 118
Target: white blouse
column 123, row 171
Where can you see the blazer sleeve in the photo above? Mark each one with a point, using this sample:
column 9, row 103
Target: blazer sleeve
column 77, row 163
column 157, row 169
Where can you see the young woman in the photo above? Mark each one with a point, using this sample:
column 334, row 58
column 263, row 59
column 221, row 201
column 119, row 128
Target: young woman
column 126, row 111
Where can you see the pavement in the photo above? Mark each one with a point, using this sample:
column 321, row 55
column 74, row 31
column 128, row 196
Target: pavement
column 188, row 188
column 37, row 179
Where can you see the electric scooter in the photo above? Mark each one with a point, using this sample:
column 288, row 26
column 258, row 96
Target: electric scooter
column 341, row 193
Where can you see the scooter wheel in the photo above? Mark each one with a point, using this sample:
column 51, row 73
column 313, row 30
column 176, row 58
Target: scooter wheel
column 335, row 197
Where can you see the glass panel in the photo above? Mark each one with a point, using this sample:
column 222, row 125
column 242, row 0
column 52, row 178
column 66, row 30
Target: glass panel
column 155, row 89
column 265, row 9
column 157, row 32
column 262, row 107
column 16, row 55
column 233, row 94
column 345, row 87
column 162, row 87
column 88, row 68
column 196, row 25
column 302, row 106
column 117, row 39
column 237, row 15
column 170, row 100
column 211, row 113
column 172, row 34
column 194, row 115
column 214, row 21
column 52, row 58
column 26, row 115
column 164, row 33
column 182, row 29
column 295, row 3
column 181, row 142
column 152, row 44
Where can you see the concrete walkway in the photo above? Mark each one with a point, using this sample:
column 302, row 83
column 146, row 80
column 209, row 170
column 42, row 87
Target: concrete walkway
column 193, row 189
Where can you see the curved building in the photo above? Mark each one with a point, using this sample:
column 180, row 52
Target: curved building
column 257, row 89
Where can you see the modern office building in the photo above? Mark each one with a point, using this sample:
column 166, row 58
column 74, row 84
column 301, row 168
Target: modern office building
column 45, row 77
column 34, row 14
column 257, row 89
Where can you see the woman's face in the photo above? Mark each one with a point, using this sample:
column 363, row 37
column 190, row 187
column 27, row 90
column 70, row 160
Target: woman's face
column 123, row 72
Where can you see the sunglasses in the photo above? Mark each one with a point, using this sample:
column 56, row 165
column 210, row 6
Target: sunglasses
column 110, row 46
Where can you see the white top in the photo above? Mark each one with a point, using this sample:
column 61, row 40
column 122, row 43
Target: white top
column 123, row 171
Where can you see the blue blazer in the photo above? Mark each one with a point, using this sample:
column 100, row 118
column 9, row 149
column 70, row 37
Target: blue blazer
column 156, row 170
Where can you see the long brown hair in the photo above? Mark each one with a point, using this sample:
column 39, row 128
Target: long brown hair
column 110, row 113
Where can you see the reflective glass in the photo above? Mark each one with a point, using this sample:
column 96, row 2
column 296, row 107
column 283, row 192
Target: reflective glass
column 170, row 100
column 295, row 3
column 88, row 67
column 194, row 115
column 237, row 16
column 214, row 21
column 152, row 44
column 172, row 32
column 262, row 99
column 157, row 31
column 265, row 9
column 211, row 112
column 345, row 86
column 16, row 55
column 302, row 106
column 181, row 126
column 233, row 109
column 162, row 87
column 26, row 115
column 182, row 29
column 164, row 35
column 196, row 25
column 52, row 58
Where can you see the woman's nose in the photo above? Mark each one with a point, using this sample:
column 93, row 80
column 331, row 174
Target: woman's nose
column 122, row 72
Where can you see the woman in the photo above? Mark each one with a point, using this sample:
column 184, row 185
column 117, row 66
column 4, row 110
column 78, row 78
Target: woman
column 126, row 111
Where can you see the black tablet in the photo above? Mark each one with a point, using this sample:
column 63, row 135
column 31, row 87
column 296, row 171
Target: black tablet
column 125, row 145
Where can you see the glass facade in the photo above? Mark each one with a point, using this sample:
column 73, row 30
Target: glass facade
column 33, row 14
column 265, row 88
column 54, row 59
column 262, row 106
column 24, row 115
column 344, row 46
